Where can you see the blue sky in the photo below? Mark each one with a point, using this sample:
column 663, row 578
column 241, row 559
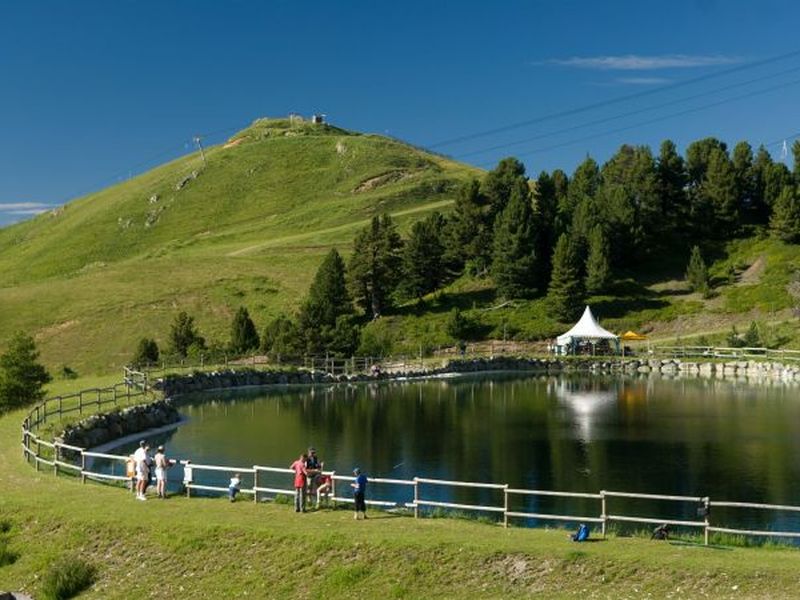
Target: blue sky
column 94, row 92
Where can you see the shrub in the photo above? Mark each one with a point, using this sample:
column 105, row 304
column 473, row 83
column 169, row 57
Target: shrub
column 67, row 372
column 146, row 353
column 7, row 557
column 67, row 577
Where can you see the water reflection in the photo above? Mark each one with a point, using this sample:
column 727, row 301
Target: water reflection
column 692, row 437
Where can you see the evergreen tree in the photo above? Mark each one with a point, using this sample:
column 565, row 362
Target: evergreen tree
column 697, row 272
column 598, row 270
column 327, row 300
column 742, row 161
column 281, row 338
column 466, row 235
column 672, row 179
column 565, row 295
column 545, row 209
column 497, row 186
column 22, row 378
column 584, row 184
column 777, row 177
column 345, row 337
column 458, row 326
column 796, row 164
column 146, row 352
column 698, row 156
column 751, row 337
column 785, row 220
column 422, row 258
column 183, row 335
column 374, row 268
column 514, row 259
column 563, row 211
column 720, row 189
column 762, row 164
column 244, row 336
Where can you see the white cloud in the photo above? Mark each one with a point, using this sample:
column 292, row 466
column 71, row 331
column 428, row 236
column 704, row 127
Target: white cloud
column 635, row 62
column 24, row 206
column 643, row 80
column 26, row 211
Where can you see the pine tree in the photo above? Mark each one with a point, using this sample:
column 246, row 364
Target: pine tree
column 672, row 178
column 422, row 258
column 545, row 208
column 281, row 338
column 22, row 378
column 514, row 258
column 796, row 163
column 244, row 336
column 183, row 335
column 742, row 161
column 719, row 187
column 497, row 186
column 697, row 272
column 598, row 270
column 466, row 236
column 374, row 268
column 146, row 352
column 785, row 220
column 565, row 295
column 777, row 177
column 327, row 300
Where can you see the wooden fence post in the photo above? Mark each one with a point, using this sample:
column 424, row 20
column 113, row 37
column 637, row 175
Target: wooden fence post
column 55, row 458
column 98, row 399
column 706, row 506
column 333, row 488
column 603, row 512
column 505, row 506
column 416, row 498
column 80, row 402
column 83, row 468
column 38, row 451
column 255, row 484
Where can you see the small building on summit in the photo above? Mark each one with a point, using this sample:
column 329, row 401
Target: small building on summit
column 587, row 337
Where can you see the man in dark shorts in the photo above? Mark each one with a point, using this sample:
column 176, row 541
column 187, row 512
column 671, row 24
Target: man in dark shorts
column 359, row 493
column 313, row 472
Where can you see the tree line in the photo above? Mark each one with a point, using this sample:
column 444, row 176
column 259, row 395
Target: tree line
column 559, row 236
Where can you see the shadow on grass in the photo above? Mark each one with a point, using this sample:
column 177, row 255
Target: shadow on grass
column 447, row 301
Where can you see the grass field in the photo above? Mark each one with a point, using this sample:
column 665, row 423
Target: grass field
column 207, row 548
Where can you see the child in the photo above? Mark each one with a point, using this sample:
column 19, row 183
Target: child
column 359, row 490
column 299, row 468
column 233, row 488
column 324, row 489
column 162, row 464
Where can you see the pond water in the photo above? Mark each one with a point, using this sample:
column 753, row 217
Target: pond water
column 697, row 437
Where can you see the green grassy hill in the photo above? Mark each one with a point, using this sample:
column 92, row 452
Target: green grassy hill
column 248, row 227
column 251, row 224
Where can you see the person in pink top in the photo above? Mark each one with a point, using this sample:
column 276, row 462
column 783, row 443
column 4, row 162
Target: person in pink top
column 299, row 468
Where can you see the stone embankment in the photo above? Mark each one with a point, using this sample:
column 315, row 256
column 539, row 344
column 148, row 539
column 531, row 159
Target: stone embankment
column 99, row 429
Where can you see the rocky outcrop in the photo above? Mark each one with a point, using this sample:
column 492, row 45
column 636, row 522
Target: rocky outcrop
column 99, row 429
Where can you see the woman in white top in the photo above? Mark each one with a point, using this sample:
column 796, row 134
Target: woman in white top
column 162, row 464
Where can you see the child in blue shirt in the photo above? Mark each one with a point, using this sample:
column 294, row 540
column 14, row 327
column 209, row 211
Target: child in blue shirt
column 359, row 491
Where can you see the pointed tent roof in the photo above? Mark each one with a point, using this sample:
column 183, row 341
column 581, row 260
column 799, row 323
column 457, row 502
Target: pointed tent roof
column 587, row 328
column 632, row 336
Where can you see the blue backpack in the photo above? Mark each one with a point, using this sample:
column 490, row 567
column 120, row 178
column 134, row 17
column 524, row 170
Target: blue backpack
column 582, row 534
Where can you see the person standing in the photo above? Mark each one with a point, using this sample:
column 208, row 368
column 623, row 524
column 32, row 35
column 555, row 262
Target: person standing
column 313, row 472
column 299, row 468
column 142, row 471
column 162, row 464
column 359, row 493
column 234, row 486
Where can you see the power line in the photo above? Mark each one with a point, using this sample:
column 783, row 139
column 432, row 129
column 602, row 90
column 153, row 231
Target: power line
column 625, row 115
column 656, row 120
column 617, row 100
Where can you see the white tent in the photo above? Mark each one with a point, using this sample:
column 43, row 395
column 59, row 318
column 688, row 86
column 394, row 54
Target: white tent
column 587, row 328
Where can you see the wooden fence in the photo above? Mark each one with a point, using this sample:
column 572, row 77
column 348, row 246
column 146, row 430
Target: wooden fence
column 79, row 462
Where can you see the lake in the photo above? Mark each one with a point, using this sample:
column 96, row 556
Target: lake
column 725, row 439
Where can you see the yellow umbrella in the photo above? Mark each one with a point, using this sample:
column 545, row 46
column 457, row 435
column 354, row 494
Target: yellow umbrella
column 632, row 336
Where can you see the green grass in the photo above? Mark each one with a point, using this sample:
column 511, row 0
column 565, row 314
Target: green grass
column 88, row 281
column 205, row 547
column 67, row 577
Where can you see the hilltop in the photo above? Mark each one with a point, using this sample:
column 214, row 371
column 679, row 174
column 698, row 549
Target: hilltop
column 248, row 226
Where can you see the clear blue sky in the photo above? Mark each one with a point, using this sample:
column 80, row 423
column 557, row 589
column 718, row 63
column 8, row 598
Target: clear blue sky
column 93, row 92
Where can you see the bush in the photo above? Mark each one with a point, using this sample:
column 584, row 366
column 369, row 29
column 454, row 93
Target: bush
column 67, row 372
column 458, row 326
column 67, row 577
column 147, row 353
column 7, row 557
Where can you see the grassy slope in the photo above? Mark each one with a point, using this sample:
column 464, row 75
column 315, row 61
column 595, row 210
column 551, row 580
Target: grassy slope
column 209, row 548
column 250, row 229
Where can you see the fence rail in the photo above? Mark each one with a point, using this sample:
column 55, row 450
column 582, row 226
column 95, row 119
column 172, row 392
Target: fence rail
column 135, row 386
